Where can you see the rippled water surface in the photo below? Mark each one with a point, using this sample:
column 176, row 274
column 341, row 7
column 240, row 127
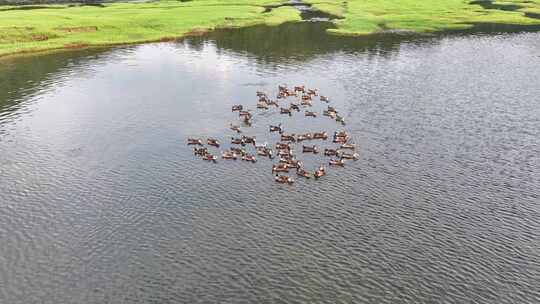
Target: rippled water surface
column 101, row 201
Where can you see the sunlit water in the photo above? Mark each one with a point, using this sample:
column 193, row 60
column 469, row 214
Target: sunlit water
column 101, row 201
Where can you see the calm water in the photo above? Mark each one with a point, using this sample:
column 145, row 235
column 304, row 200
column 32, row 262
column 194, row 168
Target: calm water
column 101, row 201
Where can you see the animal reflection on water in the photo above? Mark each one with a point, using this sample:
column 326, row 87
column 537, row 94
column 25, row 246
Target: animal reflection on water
column 343, row 149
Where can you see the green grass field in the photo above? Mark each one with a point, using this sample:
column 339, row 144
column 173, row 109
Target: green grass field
column 368, row 16
column 63, row 26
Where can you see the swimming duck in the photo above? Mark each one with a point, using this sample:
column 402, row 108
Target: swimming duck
column 320, row 135
column 210, row 157
column 249, row 158
column 310, row 149
column 300, row 89
column 353, row 156
column 340, row 134
column 340, row 140
column 285, row 137
column 340, row 119
column 265, row 152
column 263, row 99
column 244, row 113
column 238, row 151
column 200, row 151
column 285, row 111
column 276, row 129
column 306, row 97
column 237, row 141
column 294, row 106
column 338, row 162
column 302, row 137
column 280, row 168
column 235, row 128
column 247, row 120
column 324, row 98
column 272, row 103
column 301, row 172
column 291, row 163
column 306, row 103
column 213, row 142
column 237, row 108
column 330, row 114
column 228, row 155
column 249, row 139
column 348, row 146
column 312, row 92
column 195, row 141
column 262, row 105
column 311, row 114
column 285, row 153
column 320, row 172
column 283, row 179
column 283, row 146
column 330, row 152
column 332, row 109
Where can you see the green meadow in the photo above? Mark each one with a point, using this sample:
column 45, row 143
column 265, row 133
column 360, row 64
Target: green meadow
column 36, row 28
column 362, row 17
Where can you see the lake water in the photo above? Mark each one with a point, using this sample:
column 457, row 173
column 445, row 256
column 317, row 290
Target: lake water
column 102, row 201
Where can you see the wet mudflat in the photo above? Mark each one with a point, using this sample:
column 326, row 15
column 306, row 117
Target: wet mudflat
column 102, row 201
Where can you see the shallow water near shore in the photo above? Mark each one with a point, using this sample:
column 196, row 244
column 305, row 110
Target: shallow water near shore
column 103, row 202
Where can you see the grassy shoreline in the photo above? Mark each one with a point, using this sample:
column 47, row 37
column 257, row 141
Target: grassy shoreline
column 54, row 27
column 30, row 29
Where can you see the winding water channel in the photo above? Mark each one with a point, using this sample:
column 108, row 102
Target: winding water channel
column 101, row 201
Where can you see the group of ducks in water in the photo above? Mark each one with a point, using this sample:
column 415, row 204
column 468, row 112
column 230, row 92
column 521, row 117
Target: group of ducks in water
column 283, row 149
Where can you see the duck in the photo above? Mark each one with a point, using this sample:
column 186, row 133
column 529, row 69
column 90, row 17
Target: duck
column 237, row 108
column 229, row 155
column 353, row 156
column 195, row 141
column 340, row 140
column 302, row 137
column 285, row 137
column 262, row 105
column 282, row 88
column 337, row 162
column 281, row 95
column 330, row 152
column 210, row 157
column 324, row 98
column 330, row 114
column 249, row 139
column 349, row 146
column 340, row 134
column 285, row 111
column 290, row 93
column 276, row 129
column 332, row 109
column 300, row 89
column 200, row 151
column 306, row 103
column 235, row 128
column 213, row 142
column 285, row 153
column 249, row 158
column 261, row 146
column 301, row 172
column 244, row 113
column 320, row 172
column 238, row 151
column 312, row 92
column 311, row 114
column 283, row 146
column 263, row 99
column 283, row 179
column 320, row 135
column 340, row 119
column 265, row 152
column 294, row 106
column 272, row 103
column 306, row 97
column 247, row 120
column 291, row 163
column 237, row 141
column 310, row 149
column 280, row 168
